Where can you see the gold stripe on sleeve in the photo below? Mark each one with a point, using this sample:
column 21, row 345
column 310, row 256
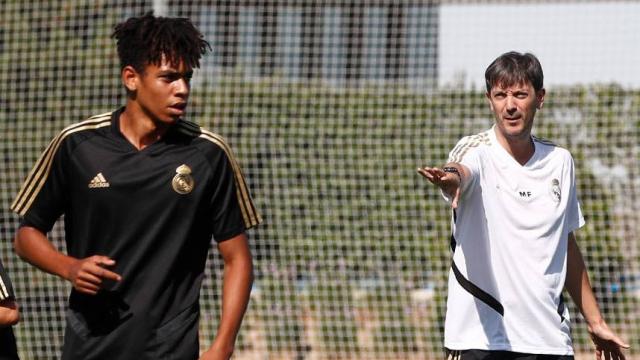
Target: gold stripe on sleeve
column 4, row 293
column 249, row 213
column 461, row 149
column 40, row 172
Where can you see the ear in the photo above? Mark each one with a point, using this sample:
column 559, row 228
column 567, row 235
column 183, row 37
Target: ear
column 488, row 96
column 540, row 97
column 130, row 78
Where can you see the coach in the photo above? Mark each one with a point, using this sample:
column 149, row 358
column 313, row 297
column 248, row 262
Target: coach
column 515, row 213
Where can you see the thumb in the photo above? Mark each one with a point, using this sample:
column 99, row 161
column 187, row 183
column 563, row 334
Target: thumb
column 456, row 198
column 620, row 342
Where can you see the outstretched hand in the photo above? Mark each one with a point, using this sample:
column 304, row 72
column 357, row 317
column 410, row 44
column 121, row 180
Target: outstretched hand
column 87, row 274
column 608, row 345
column 448, row 182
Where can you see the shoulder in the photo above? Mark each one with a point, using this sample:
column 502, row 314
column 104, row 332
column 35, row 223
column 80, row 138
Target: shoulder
column 208, row 142
column 543, row 141
column 552, row 148
column 85, row 129
column 75, row 134
column 468, row 145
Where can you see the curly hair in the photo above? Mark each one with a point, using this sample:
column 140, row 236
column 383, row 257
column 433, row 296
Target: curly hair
column 149, row 39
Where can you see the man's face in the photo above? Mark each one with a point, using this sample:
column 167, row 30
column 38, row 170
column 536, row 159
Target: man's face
column 514, row 108
column 162, row 91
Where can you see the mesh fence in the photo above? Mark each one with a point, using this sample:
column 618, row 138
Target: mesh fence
column 330, row 106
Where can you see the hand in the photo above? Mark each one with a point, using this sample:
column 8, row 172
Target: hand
column 9, row 313
column 87, row 274
column 448, row 182
column 606, row 342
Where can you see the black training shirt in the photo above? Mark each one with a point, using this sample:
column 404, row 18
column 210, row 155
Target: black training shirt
column 154, row 211
column 8, row 350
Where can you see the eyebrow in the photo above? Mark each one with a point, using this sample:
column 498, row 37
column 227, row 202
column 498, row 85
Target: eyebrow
column 496, row 90
column 175, row 72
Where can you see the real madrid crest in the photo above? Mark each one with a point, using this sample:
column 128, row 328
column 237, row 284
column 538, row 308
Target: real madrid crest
column 554, row 190
column 183, row 182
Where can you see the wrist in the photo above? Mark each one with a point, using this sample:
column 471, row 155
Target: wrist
column 69, row 269
column 222, row 347
column 595, row 322
column 453, row 170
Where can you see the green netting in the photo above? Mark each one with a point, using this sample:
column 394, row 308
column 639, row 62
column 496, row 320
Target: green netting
column 330, row 106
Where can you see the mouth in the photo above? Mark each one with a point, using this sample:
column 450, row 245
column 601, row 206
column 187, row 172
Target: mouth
column 178, row 108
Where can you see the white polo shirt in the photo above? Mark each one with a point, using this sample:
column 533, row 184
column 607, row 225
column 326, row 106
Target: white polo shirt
column 511, row 229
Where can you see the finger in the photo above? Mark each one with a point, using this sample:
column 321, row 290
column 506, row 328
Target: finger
column 102, row 273
column 620, row 342
column 86, row 288
column 89, row 277
column 108, row 274
column 454, row 203
column 103, row 260
column 437, row 172
column 427, row 175
column 423, row 172
column 426, row 171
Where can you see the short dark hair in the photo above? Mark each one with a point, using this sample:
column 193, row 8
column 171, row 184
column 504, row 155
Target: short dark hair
column 146, row 39
column 513, row 68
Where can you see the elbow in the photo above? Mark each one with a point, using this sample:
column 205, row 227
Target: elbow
column 24, row 237
column 251, row 273
column 18, row 244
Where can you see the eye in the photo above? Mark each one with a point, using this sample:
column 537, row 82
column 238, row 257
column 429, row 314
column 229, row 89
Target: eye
column 167, row 78
column 521, row 95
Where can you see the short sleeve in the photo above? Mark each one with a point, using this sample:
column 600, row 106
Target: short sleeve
column 232, row 207
column 40, row 201
column 574, row 218
column 6, row 289
column 465, row 153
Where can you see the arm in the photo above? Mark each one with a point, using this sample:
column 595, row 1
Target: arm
column 236, row 288
column 579, row 287
column 450, row 182
column 84, row 274
column 9, row 314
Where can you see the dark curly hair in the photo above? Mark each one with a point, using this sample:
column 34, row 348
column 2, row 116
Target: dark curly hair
column 146, row 39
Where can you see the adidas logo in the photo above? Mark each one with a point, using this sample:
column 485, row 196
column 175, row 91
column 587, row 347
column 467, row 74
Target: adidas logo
column 98, row 182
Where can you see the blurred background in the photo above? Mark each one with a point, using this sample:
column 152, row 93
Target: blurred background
column 330, row 106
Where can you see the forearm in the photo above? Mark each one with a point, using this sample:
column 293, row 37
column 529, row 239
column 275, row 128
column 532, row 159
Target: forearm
column 237, row 280
column 579, row 286
column 35, row 248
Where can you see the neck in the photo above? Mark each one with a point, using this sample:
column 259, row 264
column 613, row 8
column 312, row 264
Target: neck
column 520, row 148
column 139, row 128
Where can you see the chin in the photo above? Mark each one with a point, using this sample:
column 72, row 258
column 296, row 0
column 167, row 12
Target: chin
column 166, row 121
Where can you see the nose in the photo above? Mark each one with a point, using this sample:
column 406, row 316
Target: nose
column 510, row 104
column 182, row 88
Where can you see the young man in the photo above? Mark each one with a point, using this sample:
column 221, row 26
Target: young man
column 515, row 211
column 9, row 315
column 142, row 192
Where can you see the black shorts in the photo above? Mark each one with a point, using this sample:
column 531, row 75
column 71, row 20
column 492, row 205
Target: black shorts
column 474, row 354
column 8, row 349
